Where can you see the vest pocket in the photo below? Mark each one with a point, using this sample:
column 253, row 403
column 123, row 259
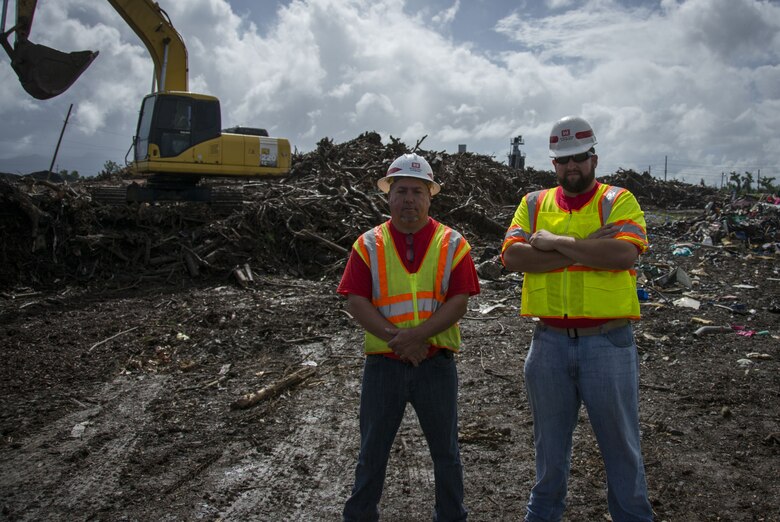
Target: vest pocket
column 608, row 294
column 535, row 291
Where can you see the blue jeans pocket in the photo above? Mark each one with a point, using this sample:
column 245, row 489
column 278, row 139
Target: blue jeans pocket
column 622, row 337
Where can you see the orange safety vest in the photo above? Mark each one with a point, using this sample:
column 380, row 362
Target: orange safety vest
column 578, row 291
column 407, row 299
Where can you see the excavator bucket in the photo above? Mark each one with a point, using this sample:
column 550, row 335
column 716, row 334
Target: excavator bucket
column 45, row 72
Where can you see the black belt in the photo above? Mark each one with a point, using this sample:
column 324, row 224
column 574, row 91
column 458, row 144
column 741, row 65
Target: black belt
column 573, row 333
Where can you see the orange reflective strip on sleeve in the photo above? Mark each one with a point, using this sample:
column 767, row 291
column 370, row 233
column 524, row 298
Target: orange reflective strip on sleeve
column 511, row 241
column 632, row 231
column 516, row 232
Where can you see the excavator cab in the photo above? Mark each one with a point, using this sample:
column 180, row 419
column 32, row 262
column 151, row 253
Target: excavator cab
column 171, row 123
column 43, row 72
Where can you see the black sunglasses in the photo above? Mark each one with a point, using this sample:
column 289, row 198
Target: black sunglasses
column 577, row 158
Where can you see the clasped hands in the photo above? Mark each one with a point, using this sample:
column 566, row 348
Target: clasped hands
column 408, row 344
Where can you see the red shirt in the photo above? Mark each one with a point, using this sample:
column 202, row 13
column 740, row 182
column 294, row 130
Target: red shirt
column 357, row 274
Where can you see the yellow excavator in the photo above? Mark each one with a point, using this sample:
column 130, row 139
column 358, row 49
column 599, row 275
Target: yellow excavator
column 179, row 137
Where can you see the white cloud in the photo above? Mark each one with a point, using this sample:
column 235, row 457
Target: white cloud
column 372, row 105
column 694, row 80
column 445, row 18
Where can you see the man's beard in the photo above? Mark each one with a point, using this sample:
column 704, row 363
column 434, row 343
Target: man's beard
column 579, row 184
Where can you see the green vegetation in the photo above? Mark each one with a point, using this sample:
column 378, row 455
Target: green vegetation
column 745, row 183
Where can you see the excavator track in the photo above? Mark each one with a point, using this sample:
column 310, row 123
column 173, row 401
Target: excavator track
column 112, row 196
column 224, row 200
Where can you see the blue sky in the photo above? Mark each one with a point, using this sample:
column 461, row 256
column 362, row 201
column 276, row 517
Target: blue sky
column 694, row 84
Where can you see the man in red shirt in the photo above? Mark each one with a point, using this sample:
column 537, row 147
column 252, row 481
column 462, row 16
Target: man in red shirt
column 407, row 283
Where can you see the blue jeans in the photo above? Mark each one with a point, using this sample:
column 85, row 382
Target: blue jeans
column 601, row 371
column 432, row 389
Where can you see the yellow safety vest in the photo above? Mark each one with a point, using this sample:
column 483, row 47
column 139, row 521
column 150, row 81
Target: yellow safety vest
column 407, row 299
column 576, row 291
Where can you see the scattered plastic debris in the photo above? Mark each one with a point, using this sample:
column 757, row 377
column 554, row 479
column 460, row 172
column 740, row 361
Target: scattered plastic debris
column 688, row 302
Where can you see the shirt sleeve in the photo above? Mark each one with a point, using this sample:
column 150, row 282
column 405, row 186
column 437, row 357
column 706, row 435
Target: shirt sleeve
column 631, row 219
column 356, row 278
column 463, row 278
column 519, row 230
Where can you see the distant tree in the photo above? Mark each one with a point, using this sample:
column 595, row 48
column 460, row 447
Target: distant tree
column 110, row 168
column 766, row 184
column 735, row 181
column 702, row 182
column 69, row 176
column 747, row 181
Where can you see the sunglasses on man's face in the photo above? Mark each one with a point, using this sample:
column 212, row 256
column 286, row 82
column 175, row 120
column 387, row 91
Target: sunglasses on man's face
column 577, row 158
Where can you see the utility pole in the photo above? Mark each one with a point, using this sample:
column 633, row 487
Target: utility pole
column 722, row 176
column 57, row 149
column 665, row 158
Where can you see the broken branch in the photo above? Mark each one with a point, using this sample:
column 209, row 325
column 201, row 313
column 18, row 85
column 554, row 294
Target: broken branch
column 250, row 399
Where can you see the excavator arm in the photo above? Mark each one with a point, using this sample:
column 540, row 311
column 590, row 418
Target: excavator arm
column 43, row 72
column 164, row 43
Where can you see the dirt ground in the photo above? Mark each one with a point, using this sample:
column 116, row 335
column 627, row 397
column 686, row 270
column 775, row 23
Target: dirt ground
column 116, row 401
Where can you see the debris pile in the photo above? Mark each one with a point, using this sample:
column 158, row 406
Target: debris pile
column 730, row 222
column 302, row 225
column 656, row 193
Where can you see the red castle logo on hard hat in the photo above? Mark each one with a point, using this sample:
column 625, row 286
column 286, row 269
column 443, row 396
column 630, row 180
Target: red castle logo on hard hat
column 416, row 165
column 565, row 132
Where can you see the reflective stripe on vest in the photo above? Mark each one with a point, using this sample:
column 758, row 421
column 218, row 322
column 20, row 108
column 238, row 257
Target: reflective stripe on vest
column 580, row 291
column 515, row 233
column 405, row 299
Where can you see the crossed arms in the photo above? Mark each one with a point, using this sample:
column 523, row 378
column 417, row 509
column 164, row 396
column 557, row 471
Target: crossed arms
column 546, row 251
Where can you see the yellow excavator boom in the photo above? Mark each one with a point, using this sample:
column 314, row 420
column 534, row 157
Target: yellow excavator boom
column 165, row 45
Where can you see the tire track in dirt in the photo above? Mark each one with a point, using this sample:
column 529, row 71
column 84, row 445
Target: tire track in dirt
column 287, row 478
column 92, row 445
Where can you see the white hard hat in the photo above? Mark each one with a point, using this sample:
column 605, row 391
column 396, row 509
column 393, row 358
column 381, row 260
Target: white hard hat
column 571, row 135
column 410, row 166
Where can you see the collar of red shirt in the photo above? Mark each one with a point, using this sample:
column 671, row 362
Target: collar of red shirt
column 421, row 240
column 576, row 202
